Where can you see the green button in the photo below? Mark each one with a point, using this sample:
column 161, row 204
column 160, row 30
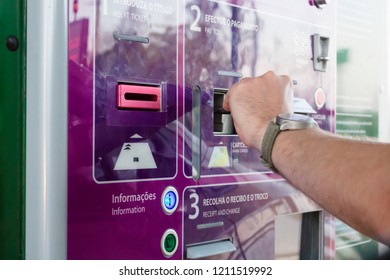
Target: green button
column 170, row 243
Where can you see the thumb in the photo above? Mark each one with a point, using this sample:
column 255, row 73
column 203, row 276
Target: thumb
column 225, row 104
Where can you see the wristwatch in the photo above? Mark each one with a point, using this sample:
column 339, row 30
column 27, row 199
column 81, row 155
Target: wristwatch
column 282, row 122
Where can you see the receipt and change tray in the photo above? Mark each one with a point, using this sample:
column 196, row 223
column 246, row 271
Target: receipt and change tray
column 209, row 248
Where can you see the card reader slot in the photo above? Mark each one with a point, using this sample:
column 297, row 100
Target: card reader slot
column 223, row 122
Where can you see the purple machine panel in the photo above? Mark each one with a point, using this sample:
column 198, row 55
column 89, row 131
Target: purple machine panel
column 156, row 169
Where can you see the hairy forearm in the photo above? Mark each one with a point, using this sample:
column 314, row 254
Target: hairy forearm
column 350, row 179
column 342, row 175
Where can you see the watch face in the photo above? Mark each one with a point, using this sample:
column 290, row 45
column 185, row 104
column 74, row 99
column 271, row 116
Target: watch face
column 294, row 121
column 294, row 117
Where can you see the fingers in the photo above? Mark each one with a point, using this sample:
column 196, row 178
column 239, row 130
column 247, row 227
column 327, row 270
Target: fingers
column 243, row 87
column 286, row 80
column 266, row 88
column 233, row 88
column 225, row 104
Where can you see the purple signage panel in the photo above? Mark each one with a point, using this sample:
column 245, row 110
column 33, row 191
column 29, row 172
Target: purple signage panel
column 135, row 91
column 155, row 167
column 242, row 41
column 242, row 214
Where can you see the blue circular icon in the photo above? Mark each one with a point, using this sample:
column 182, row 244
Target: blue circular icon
column 170, row 200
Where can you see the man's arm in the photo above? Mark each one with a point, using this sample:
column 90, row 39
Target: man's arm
column 348, row 178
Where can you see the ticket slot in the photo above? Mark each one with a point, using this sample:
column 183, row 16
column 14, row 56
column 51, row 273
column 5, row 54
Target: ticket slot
column 139, row 96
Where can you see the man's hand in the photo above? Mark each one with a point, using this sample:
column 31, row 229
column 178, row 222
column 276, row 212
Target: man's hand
column 254, row 102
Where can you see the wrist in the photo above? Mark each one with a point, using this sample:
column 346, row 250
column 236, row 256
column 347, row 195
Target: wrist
column 293, row 142
column 284, row 122
column 258, row 141
column 261, row 129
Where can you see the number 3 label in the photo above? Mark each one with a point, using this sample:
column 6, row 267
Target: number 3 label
column 194, row 25
column 194, row 205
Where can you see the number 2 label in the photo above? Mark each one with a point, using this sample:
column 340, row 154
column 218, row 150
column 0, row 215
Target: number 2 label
column 195, row 25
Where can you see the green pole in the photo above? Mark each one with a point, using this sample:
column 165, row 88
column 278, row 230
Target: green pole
column 12, row 128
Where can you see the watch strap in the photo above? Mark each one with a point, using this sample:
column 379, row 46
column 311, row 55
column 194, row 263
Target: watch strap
column 270, row 135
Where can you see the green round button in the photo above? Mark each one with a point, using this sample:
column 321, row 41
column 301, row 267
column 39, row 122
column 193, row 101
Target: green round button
column 169, row 243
